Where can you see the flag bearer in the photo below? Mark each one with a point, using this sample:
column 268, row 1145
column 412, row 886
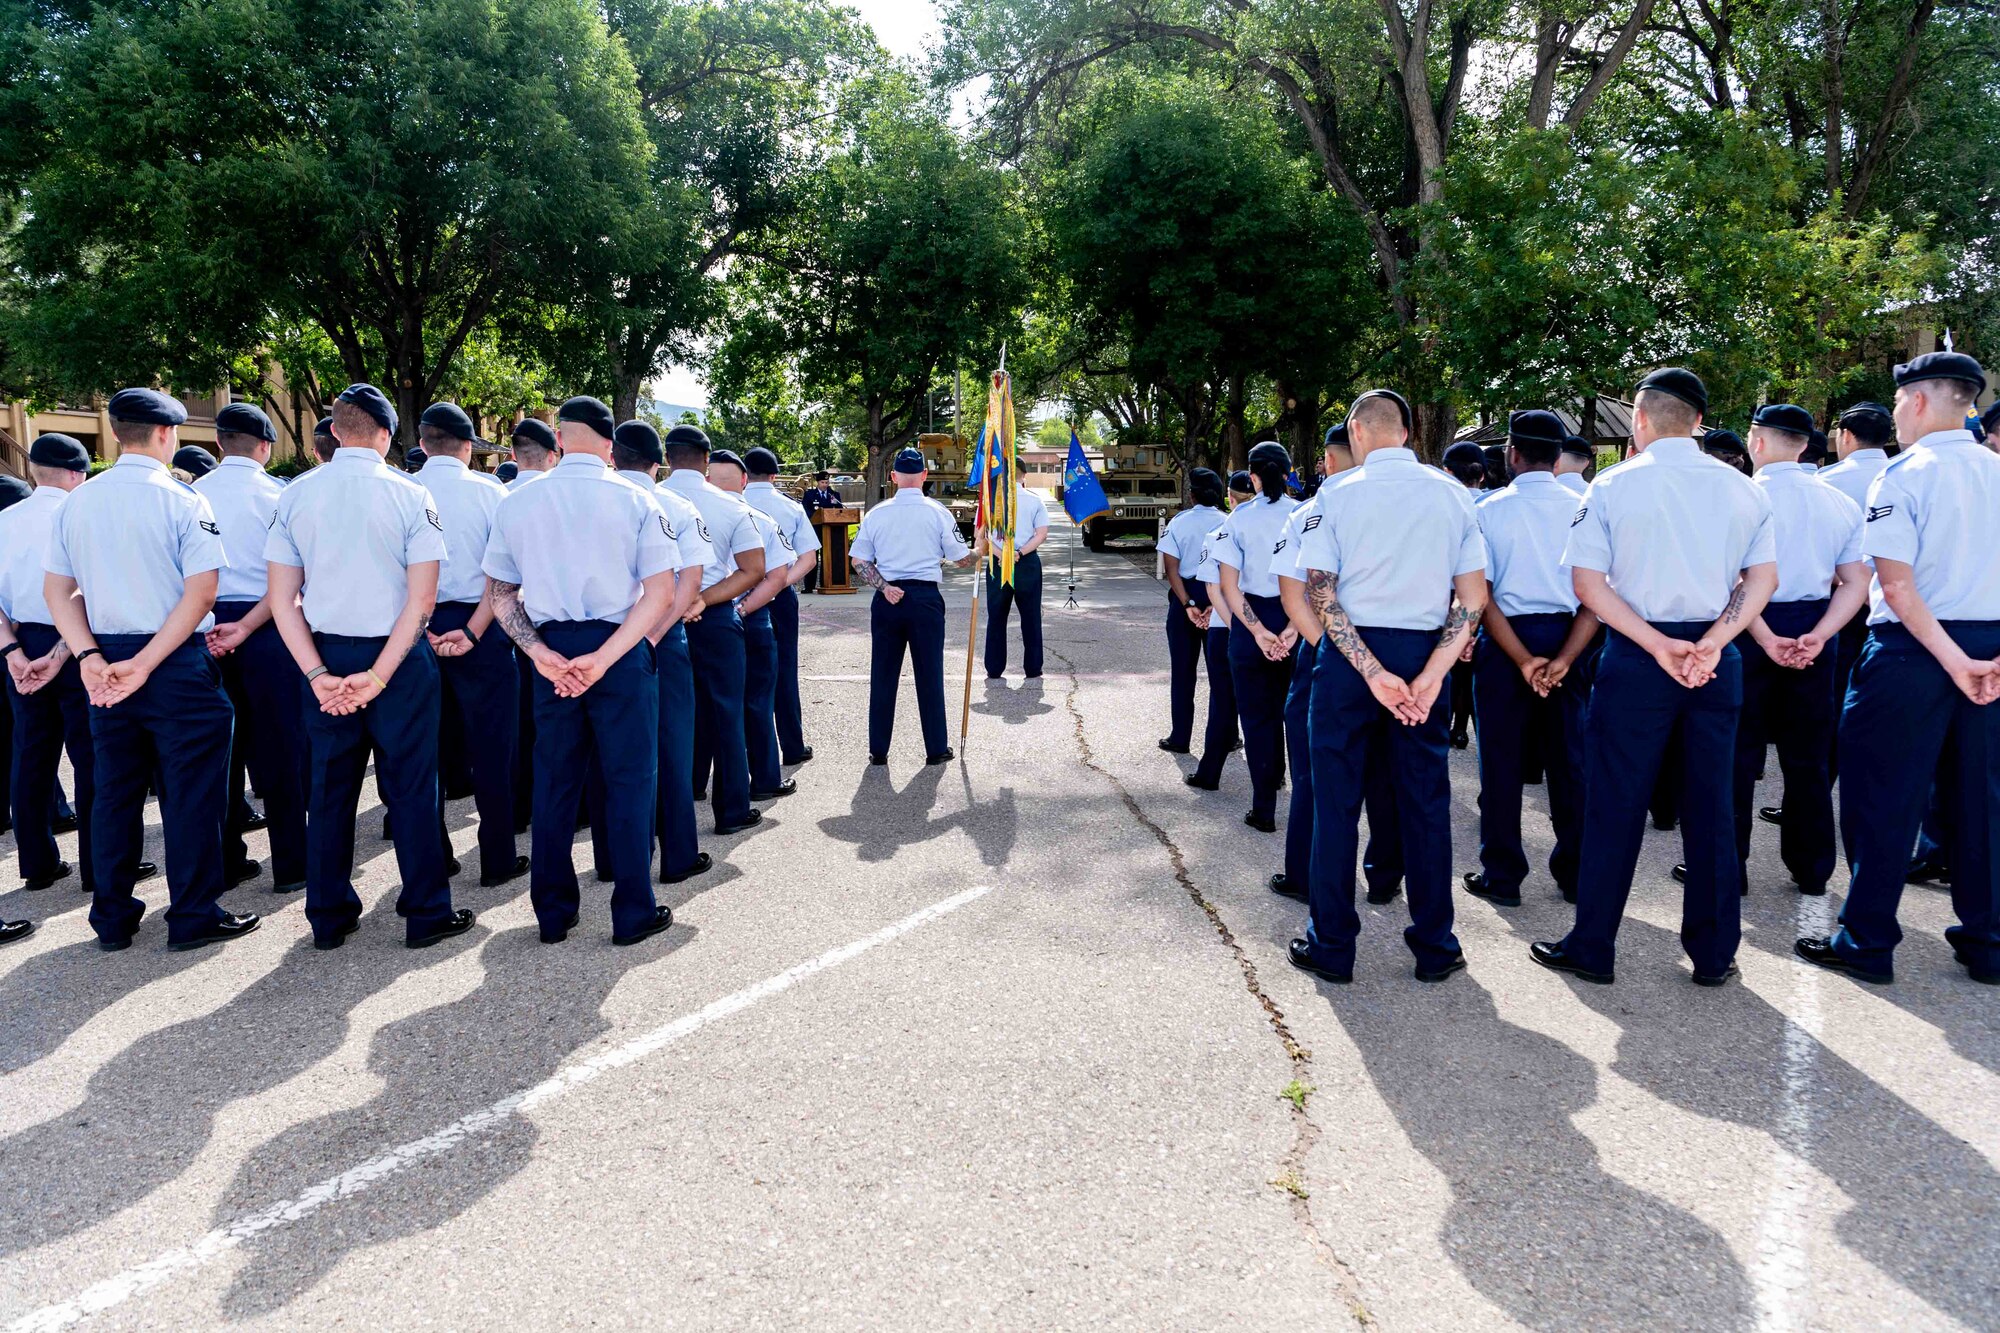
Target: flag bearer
column 1395, row 567
column 1261, row 640
column 1673, row 550
column 1927, row 683
column 763, row 495
column 1031, row 529
column 1524, row 689
column 580, row 567
column 131, row 579
column 902, row 542
column 1187, row 604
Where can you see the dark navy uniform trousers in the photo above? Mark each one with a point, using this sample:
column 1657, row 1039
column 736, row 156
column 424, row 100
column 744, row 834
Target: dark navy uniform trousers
column 915, row 625
column 1219, row 734
column 1298, row 749
column 1798, row 711
column 1905, row 721
column 1514, row 722
column 270, row 746
column 1345, row 721
column 177, row 725
column 617, row 720
column 1026, row 596
column 791, row 719
column 760, row 700
column 716, row 648
column 680, row 844
column 524, row 740
column 1634, row 707
column 401, row 728
column 1185, row 641
column 478, row 690
column 52, row 719
column 1261, row 686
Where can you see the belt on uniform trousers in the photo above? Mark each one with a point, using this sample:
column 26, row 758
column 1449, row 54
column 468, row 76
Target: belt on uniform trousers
column 575, row 624
column 196, row 640
column 235, row 609
column 912, row 583
column 1894, row 631
column 322, row 637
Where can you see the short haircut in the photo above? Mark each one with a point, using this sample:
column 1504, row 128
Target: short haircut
column 1378, row 410
column 351, row 422
column 1789, row 440
column 132, row 433
column 48, row 476
column 525, row 448
column 236, row 444
column 1538, row 453
column 1954, row 393
column 323, row 447
column 628, row 460
column 1667, row 414
column 685, row 453
column 1873, row 431
column 436, row 440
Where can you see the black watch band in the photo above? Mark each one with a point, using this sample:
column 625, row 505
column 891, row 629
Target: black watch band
column 90, row 652
column 10, row 648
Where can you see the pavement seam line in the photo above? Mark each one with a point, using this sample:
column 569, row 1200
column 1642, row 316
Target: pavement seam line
column 122, row 1287
column 1307, row 1131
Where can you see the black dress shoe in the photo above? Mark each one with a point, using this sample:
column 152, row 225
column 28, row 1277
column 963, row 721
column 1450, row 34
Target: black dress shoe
column 701, row 793
column 878, row 759
column 1301, row 955
column 1456, row 963
column 15, row 930
column 558, row 936
column 1475, row 884
column 1553, row 958
column 785, row 788
column 513, row 872
column 703, row 863
column 662, row 918
column 1262, row 823
column 1810, row 890
column 451, row 866
column 231, row 926
column 1460, row 741
column 802, row 757
column 460, row 922
column 1818, row 950
column 334, row 938
column 1771, row 814
column 943, row 756
column 62, row 871
column 145, row 870
column 1927, row 870
column 1388, row 893
column 1715, row 978
column 1680, row 873
column 297, row 886
column 114, row 946
column 244, row 873
column 605, row 877
column 1281, row 884
column 1667, row 825
column 63, row 824
column 257, row 820
column 752, row 820
column 1199, row 783
column 1167, row 744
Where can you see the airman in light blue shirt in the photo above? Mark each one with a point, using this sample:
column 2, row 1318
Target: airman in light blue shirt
column 465, row 502
column 131, row 537
column 536, row 543
column 244, row 498
column 355, row 532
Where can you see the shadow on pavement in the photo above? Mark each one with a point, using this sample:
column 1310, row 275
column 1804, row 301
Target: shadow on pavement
column 1012, row 702
column 49, row 996
column 881, row 820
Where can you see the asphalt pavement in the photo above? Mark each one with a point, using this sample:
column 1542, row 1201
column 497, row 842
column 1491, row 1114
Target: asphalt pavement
column 1008, row 1043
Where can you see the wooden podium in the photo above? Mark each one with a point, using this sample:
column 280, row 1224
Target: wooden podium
column 834, row 576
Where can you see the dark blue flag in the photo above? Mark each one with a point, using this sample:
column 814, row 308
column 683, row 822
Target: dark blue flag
column 1083, row 495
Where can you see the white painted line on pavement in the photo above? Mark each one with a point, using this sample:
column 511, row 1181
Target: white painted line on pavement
column 1783, row 1270
column 144, row 1277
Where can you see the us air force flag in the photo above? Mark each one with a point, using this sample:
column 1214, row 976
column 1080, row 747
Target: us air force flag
column 1083, row 496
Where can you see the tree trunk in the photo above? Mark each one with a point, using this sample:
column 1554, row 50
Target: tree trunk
column 1234, row 427
column 875, row 481
column 625, row 397
column 1431, row 432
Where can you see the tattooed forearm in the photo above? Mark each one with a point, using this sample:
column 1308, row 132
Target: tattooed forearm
column 1459, row 618
column 1249, row 616
column 865, row 571
column 513, row 617
column 1340, row 631
column 1734, row 611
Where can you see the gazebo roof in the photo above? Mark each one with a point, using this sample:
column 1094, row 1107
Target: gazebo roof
column 1614, row 422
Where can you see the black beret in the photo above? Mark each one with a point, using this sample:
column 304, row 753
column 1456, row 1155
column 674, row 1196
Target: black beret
column 64, row 451
column 1239, row 480
column 194, row 460
column 588, row 411
column 1942, row 366
column 1271, row 454
column 1783, row 416
column 324, row 426
column 148, row 407
column 246, row 419
column 534, row 432
column 1464, row 454
column 1990, row 423
column 1726, row 440
column 1204, row 476
column 413, row 457
column 1535, row 424
column 729, row 456
column 1576, row 444
column 13, row 490
column 1869, row 412
column 507, row 471
column 686, row 436
column 372, row 401
column 1335, row 434
column 449, row 418
column 640, row 438
column 908, row 461
column 1682, row 384
column 1815, row 446
column 760, row 462
column 1402, row 403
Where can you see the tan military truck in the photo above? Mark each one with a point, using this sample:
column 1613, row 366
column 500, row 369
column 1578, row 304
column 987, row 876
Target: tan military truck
column 1143, row 488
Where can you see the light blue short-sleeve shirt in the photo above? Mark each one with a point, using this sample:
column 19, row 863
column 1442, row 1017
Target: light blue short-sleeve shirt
column 1815, row 527
column 787, row 513
column 1253, row 542
column 684, row 525
column 908, row 537
column 1854, row 474
column 723, row 522
column 1186, row 532
column 1395, row 533
column 355, row 532
column 1935, row 508
column 465, row 501
column 132, row 537
column 579, row 545
column 1672, row 529
column 1525, row 527
column 778, row 552
column 24, row 543
column 244, row 499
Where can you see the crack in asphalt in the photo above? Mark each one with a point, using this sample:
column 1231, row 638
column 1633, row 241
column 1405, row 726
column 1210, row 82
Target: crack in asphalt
column 1307, row 1132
